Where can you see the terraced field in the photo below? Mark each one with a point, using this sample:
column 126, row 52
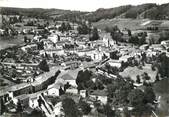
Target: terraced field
column 121, row 23
column 132, row 24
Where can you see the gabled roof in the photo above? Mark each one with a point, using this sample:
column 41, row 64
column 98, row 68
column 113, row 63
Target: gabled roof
column 153, row 22
column 67, row 77
column 70, row 74
column 59, row 83
column 100, row 93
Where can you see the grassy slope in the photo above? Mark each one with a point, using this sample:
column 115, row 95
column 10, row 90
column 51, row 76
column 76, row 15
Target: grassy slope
column 121, row 23
column 161, row 88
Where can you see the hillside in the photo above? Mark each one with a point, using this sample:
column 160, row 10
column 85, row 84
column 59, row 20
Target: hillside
column 36, row 12
column 107, row 13
column 132, row 24
column 151, row 11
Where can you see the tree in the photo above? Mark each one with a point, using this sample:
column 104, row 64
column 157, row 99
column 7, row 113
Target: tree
column 152, row 39
column 44, row 66
column 164, row 35
column 134, row 40
column 136, row 97
column 19, row 107
column 68, row 27
column 119, row 90
column 114, row 32
column 114, row 55
column 40, row 45
column 2, row 106
column 61, row 91
column 83, row 29
column 108, row 111
column 25, row 39
column 94, row 35
column 149, row 95
column 146, row 76
column 36, row 113
column 83, row 78
column 163, row 68
column 126, row 112
column 62, row 28
column 129, row 32
column 138, row 80
column 157, row 78
column 70, row 108
column 85, row 107
column 142, row 38
column 20, row 18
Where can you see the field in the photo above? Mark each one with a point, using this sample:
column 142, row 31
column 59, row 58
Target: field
column 161, row 88
column 132, row 24
column 11, row 41
column 6, row 83
column 134, row 71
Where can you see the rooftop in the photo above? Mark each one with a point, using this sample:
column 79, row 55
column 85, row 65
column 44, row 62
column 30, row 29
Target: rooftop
column 99, row 93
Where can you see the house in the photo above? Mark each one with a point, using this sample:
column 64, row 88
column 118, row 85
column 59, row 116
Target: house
column 58, row 110
column 125, row 58
column 19, row 89
column 72, row 90
column 88, row 65
column 165, row 44
column 42, row 81
column 33, row 99
column 94, row 54
column 15, row 90
column 153, row 25
column 70, row 79
column 2, row 32
column 24, row 99
column 65, row 38
column 85, row 52
column 100, row 95
column 52, row 52
column 54, row 38
column 83, row 93
column 29, row 46
column 70, row 76
column 71, row 64
column 107, row 40
column 144, row 47
column 37, row 38
column 164, row 26
column 114, row 63
column 49, row 44
column 53, row 90
column 157, row 47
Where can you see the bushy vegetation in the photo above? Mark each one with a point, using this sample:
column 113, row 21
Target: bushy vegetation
column 70, row 108
column 152, row 11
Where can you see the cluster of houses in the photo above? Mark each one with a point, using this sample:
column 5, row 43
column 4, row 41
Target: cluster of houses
column 66, row 55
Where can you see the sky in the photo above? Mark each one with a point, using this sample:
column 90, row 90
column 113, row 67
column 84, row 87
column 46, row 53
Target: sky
column 82, row 5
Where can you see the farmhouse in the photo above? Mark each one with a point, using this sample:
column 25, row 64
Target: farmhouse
column 52, row 52
column 99, row 95
column 114, row 63
column 53, row 90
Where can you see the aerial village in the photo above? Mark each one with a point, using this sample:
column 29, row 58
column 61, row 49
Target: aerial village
column 68, row 69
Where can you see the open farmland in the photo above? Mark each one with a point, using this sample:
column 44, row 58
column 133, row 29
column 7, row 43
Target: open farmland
column 161, row 88
column 11, row 41
column 134, row 71
column 132, row 24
